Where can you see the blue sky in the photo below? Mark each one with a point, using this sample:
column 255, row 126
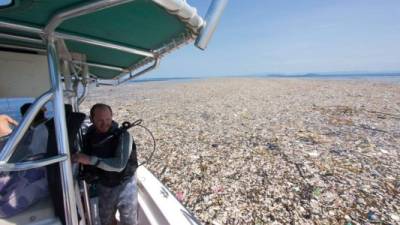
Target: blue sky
column 290, row 37
column 293, row 37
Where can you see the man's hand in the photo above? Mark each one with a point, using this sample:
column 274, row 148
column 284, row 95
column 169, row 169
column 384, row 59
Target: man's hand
column 81, row 158
column 5, row 122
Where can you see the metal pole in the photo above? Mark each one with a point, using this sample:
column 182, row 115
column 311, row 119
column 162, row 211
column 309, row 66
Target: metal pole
column 104, row 44
column 61, row 134
column 99, row 66
column 132, row 76
column 86, row 202
column 23, row 48
column 20, row 27
column 32, row 164
column 214, row 13
column 68, row 81
column 85, row 83
column 21, row 38
column 76, row 38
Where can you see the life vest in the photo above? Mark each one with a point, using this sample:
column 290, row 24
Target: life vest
column 108, row 150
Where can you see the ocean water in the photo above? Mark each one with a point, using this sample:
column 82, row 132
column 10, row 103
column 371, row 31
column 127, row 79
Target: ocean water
column 369, row 77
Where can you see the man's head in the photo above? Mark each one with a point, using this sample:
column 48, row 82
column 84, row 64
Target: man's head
column 101, row 117
column 40, row 116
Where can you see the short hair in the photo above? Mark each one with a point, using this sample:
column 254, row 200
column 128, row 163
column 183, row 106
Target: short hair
column 24, row 108
column 40, row 116
column 99, row 106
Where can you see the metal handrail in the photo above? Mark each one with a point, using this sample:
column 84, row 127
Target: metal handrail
column 104, row 44
column 83, row 10
column 61, row 134
column 32, row 164
column 102, row 66
column 21, row 38
column 85, row 82
column 23, row 48
column 20, row 27
column 16, row 136
column 132, row 76
column 97, row 65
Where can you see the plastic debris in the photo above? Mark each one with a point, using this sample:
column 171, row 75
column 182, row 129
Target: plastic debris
column 290, row 151
column 372, row 216
column 180, row 196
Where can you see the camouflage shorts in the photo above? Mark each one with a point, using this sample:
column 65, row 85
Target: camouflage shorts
column 122, row 198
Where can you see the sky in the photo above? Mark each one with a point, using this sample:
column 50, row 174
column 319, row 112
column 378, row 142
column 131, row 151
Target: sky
column 256, row 37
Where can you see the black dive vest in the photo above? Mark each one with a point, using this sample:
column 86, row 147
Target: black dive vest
column 108, row 150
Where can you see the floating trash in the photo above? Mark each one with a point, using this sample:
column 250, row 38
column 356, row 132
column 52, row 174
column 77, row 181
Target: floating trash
column 290, row 151
column 372, row 216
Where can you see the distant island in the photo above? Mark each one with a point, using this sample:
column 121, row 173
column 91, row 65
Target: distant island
column 358, row 74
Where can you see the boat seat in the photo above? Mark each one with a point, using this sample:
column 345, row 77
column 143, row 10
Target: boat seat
column 40, row 213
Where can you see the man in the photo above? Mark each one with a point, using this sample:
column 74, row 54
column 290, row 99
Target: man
column 34, row 143
column 112, row 155
column 21, row 189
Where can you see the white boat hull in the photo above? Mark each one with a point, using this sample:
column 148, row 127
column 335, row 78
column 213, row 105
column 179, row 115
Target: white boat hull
column 157, row 205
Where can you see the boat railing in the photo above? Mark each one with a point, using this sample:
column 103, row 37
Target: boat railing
column 32, row 164
column 15, row 138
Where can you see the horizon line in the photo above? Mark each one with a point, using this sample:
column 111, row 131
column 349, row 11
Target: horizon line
column 344, row 73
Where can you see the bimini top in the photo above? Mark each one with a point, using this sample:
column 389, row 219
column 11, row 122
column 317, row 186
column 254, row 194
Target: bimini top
column 115, row 37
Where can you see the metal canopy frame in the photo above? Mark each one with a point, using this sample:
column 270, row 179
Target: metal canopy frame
column 177, row 7
column 64, row 36
column 150, row 56
column 58, row 35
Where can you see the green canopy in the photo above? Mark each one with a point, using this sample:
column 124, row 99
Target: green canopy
column 147, row 28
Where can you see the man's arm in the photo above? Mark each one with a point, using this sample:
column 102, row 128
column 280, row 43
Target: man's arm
column 114, row 164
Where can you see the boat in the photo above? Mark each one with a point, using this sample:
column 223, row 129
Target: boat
column 53, row 50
